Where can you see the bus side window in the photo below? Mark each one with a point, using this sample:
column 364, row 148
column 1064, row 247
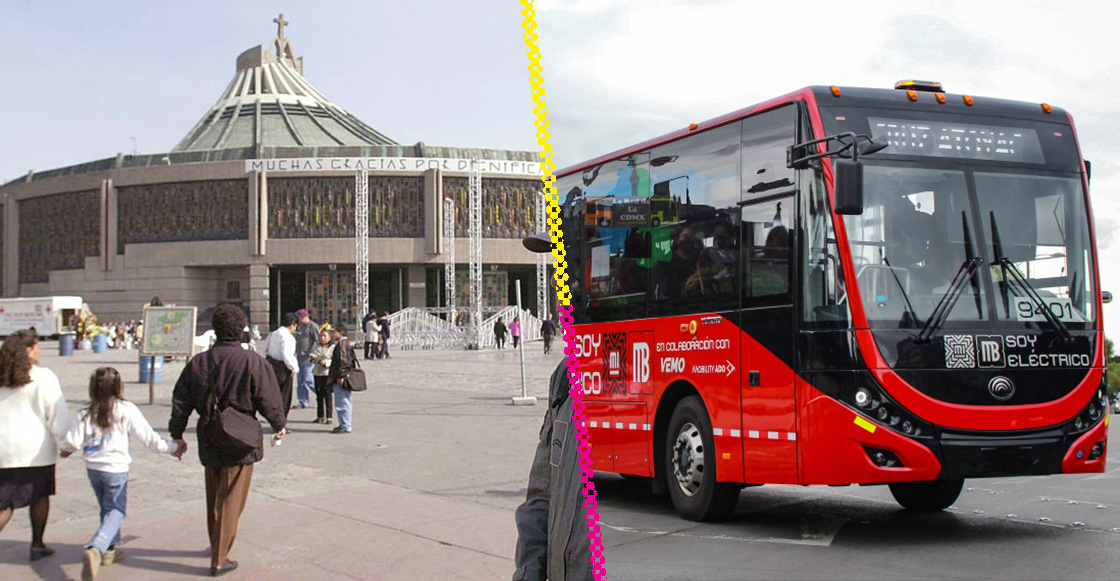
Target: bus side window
column 694, row 224
column 614, row 238
column 766, row 239
column 768, row 207
column 571, row 224
column 824, row 281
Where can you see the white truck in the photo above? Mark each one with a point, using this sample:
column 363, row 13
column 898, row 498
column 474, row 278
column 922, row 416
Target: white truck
column 49, row 315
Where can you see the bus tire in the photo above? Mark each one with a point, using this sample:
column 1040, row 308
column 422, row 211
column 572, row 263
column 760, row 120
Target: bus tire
column 928, row 496
column 690, row 465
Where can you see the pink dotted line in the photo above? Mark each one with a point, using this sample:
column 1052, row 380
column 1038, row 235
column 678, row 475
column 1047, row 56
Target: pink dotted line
column 579, row 421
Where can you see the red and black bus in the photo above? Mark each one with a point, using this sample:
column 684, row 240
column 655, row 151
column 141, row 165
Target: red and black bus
column 843, row 286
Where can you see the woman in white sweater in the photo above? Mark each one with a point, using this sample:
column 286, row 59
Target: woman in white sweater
column 33, row 417
column 102, row 433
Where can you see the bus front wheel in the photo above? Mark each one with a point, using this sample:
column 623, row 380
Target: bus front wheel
column 691, row 467
column 927, row 496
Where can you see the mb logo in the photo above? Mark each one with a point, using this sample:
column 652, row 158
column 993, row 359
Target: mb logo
column 640, row 368
column 990, row 351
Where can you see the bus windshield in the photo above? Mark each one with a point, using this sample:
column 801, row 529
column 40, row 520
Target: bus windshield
column 957, row 246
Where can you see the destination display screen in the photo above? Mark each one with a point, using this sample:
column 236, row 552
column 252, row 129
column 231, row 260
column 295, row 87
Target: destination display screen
column 957, row 140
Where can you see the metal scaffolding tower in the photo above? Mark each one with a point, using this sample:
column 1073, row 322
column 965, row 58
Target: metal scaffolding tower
column 449, row 255
column 361, row 244
column 543, row 260
column 474, row 231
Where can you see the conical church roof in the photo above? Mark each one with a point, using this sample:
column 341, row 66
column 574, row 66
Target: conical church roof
column 269, row 104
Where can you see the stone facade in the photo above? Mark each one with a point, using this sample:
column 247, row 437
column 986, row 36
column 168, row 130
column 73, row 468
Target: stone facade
column 57, row 233
column 185, row 211
column 204, row 233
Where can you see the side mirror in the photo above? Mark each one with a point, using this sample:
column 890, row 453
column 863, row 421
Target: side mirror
column 848, row 187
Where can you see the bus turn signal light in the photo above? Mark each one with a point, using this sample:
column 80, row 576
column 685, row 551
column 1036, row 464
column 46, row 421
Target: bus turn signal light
column 692, row 126
column 1046, row 108
column 835, row 90
column 940, row 98
column 968, row 100
column 912, row 95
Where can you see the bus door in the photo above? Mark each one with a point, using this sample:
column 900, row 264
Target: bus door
column 616, row 377
column 767, row 324
column 627, row 366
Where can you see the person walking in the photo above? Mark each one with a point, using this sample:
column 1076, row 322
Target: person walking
column 33, row 418
column 372, row 314
column 342, row 362
column 307, row 335
column 548, row 329
column 499, row 333
column 228, row 377
column 101, row 431
column 280, row 351
column 383, row 322
column 324, row 351
column 372, row 332
column 515, row 330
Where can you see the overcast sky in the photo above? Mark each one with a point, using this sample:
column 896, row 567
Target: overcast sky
column 619, row 72
column 82, row 78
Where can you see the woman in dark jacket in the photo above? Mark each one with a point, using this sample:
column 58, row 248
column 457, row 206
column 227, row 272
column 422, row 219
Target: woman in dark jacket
column 341, row 365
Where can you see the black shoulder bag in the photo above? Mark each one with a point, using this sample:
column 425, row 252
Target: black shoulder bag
column 234, row 431
column 356, row 379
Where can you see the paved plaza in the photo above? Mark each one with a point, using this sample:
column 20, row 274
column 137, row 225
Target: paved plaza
column 424, row 488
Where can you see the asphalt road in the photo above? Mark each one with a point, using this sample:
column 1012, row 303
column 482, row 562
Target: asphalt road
column 1052, row 527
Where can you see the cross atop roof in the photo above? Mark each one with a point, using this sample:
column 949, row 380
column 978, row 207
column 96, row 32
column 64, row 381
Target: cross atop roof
column 283, row 46
column 280, row 24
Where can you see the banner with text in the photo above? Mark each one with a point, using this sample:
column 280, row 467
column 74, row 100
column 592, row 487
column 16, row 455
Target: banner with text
column 391, row 164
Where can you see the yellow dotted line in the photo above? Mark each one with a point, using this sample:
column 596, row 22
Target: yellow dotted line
column 564, row 295
column 547, row 166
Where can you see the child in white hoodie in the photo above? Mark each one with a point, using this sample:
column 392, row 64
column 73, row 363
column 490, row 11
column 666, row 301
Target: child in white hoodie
column 101, row 431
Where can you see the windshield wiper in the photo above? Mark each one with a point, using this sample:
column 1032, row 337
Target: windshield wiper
column 1008, row 267
column 967, row 271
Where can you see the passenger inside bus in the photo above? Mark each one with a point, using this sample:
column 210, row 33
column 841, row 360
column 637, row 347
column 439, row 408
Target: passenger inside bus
column 770, row 265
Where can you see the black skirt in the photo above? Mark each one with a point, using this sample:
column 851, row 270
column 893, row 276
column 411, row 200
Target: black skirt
column 20, row 487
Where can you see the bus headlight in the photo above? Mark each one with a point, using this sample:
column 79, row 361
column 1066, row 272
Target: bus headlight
column 860, row 392
column 1092, row 413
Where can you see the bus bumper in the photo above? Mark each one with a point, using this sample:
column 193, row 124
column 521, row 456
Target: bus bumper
column 1078, row 458
column 838, row 447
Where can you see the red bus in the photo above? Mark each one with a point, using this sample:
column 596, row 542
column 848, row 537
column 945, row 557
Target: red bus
column 858, row 286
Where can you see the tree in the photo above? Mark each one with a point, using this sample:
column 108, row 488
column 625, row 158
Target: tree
column 1112, row 372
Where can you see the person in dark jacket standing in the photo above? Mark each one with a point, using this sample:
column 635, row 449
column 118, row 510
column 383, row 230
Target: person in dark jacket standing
column 384, row 323
column 307, row 336
column 552, row 532
column 244, row 381
column 552, row 540
column 499, row 333
column 548, row 329
column 342, row 363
